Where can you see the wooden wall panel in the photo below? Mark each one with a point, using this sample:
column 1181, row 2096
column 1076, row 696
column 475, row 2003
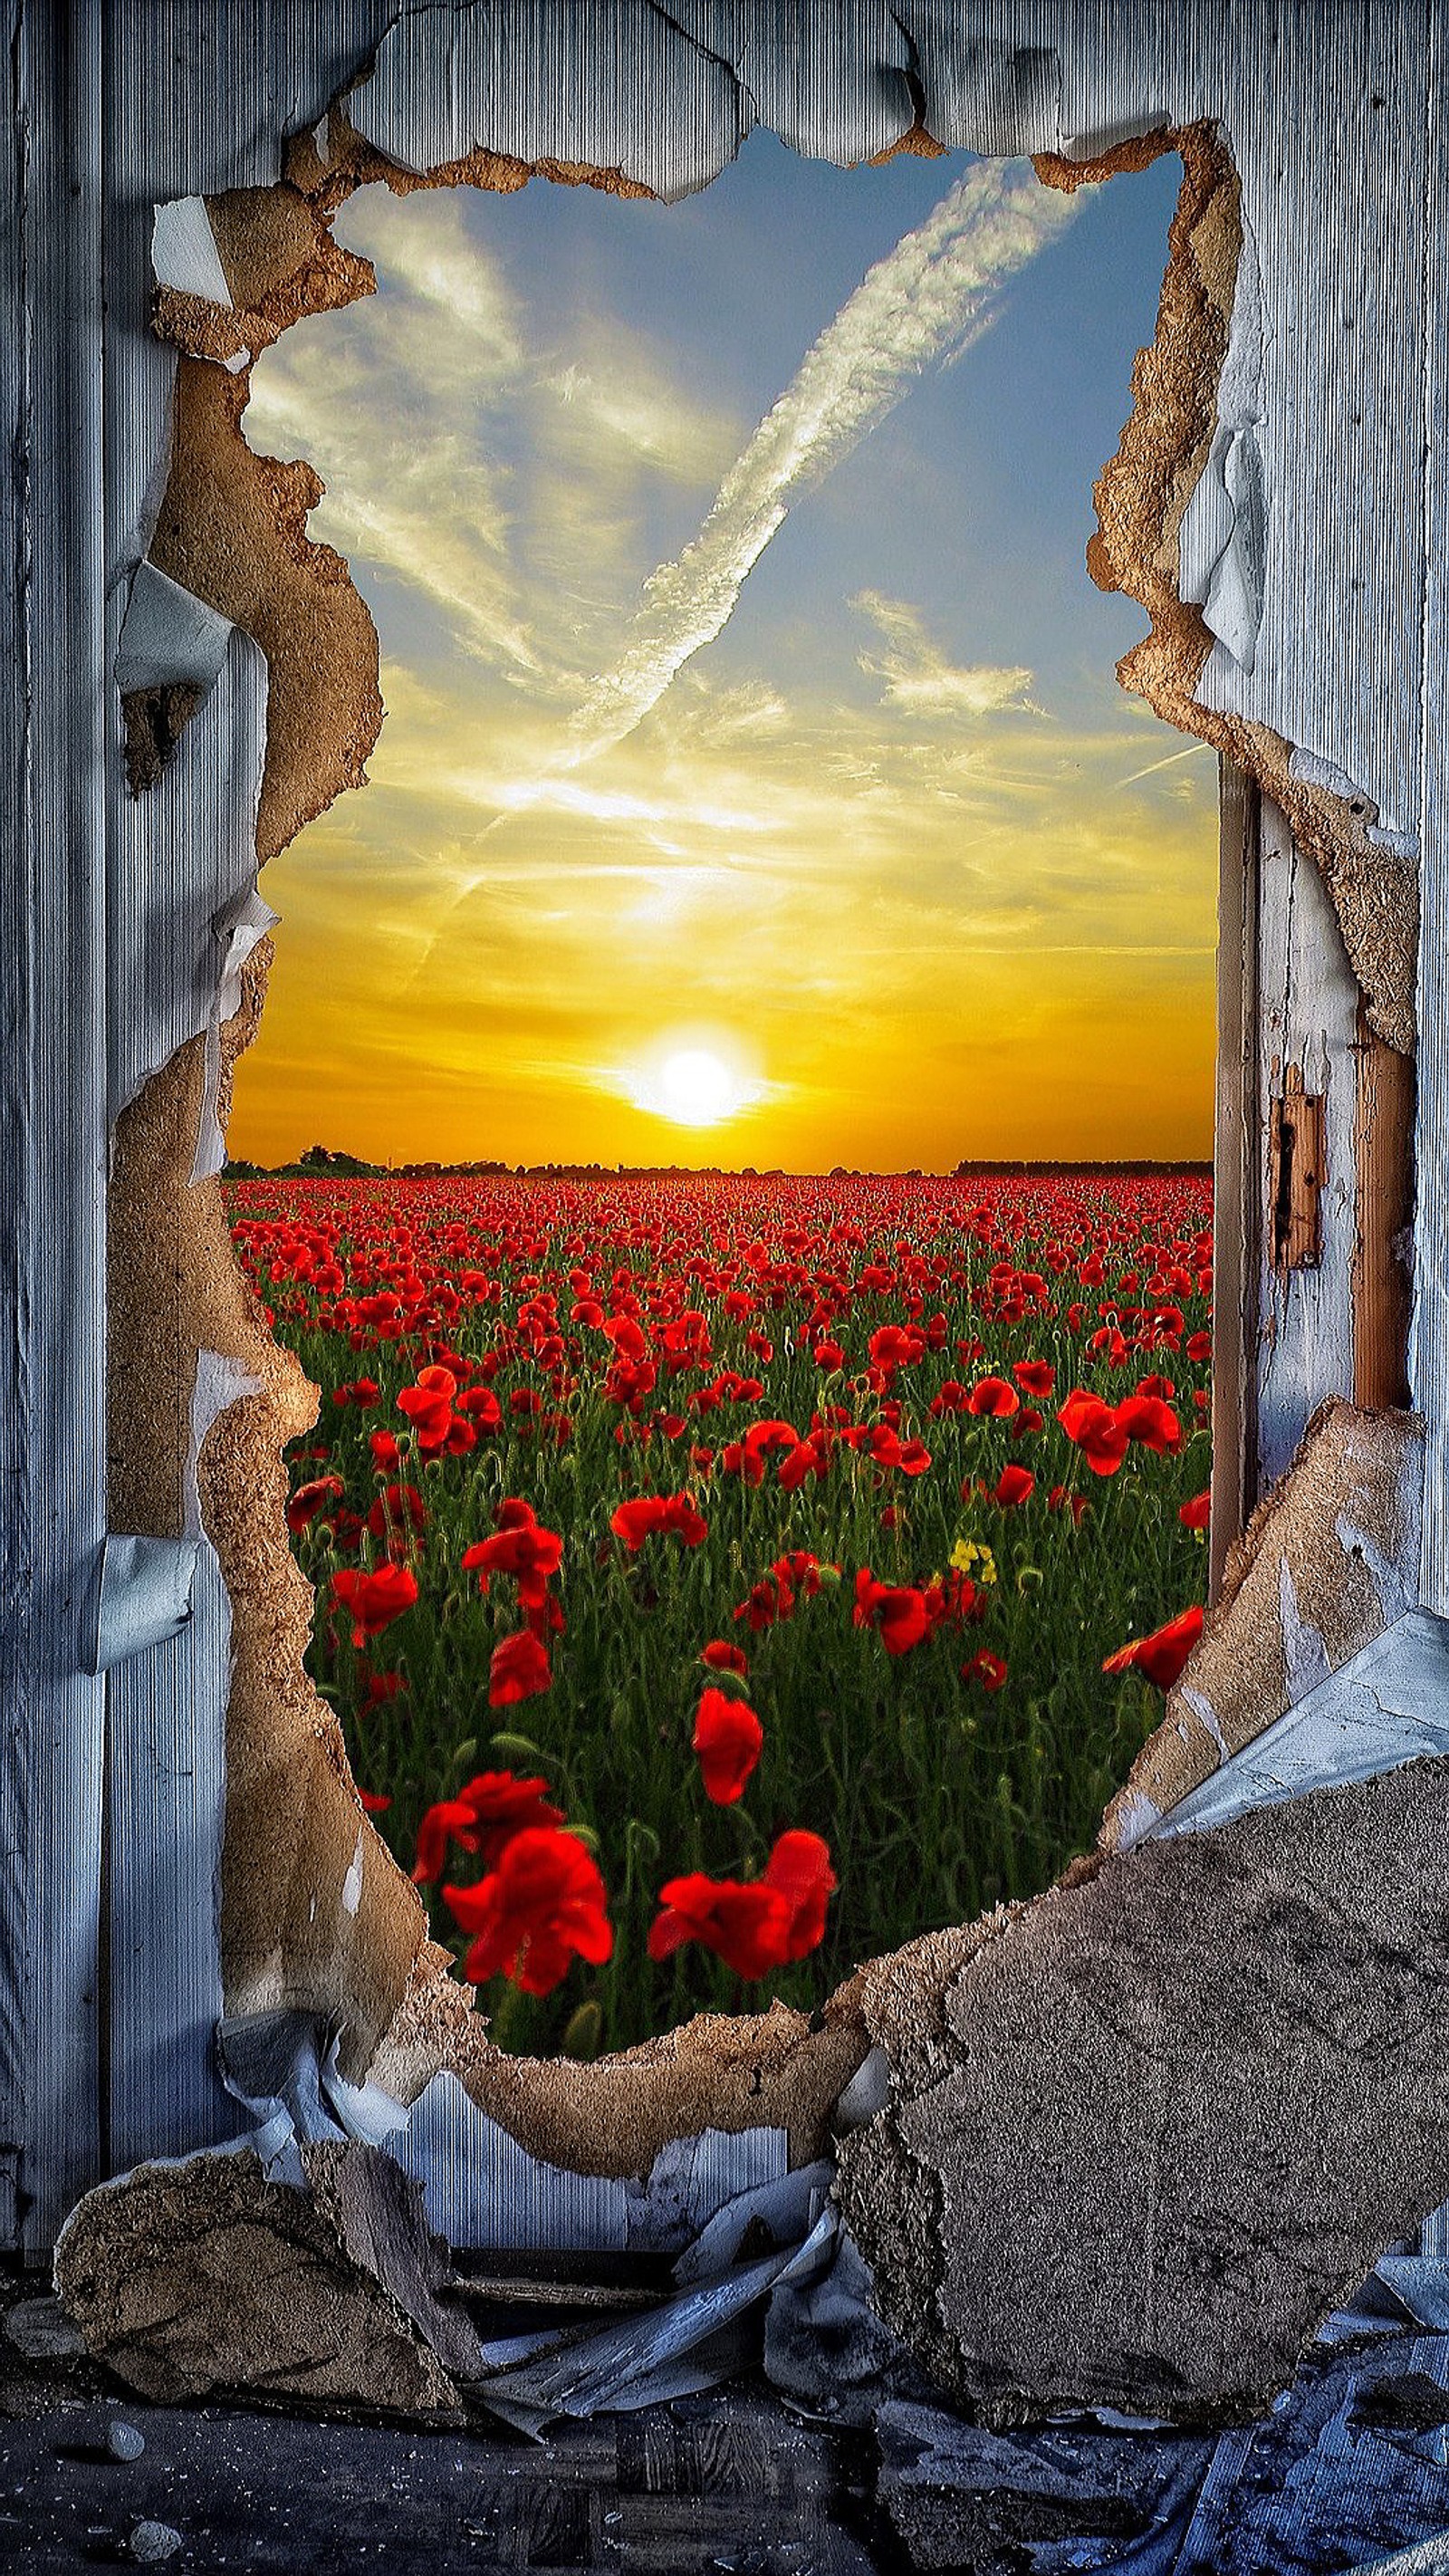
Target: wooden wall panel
column 1429, row 1352
column 1238, row 1164
column 52, row 1119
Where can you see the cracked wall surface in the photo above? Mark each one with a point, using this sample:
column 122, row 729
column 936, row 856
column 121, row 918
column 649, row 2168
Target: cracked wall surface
column 1162, row 2121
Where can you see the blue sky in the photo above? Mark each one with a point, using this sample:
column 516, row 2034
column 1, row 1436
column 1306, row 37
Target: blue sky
column 882, row 845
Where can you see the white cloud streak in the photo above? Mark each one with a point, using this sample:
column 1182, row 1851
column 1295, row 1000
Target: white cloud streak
column 1170, row 762
column 921, row 681
column 923, row 304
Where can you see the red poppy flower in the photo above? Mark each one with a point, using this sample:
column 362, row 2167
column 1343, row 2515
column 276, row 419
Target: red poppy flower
column 430, row 1416
column 312, row 1499
column 530, row 1554
column 1014, row 1485
column 1161, row 1657
column 728, row 1738
column 1035, row 1377
column 987, row 1669
column 809, row 1458
column 518, row 1669
column 953, row 1600
column 1199, row 1347
column 482, row 1818
column 746, row 1926
column 1062, row 1499
column 482, row 1407
column 897, row 1610
column 673, row 1514
column 374, row 1599
column 753, row 1927
column 382, row 1687
column 373, row 1804
column 722, row 1657
column 802, row 1572
column 364, row 1391
column 994, row 1397
column 1095, row 1428
column 504, row 1805
column 540, row 1908
column 1196, row 1514
column 737, row 1460
column 799, row 1866
column 385, row 1451
column 763, row 1437
column 765, row 1602
column 1146, row 1418
column 449, row 1817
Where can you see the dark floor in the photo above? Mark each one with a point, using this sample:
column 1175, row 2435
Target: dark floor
column 719, row 2482
column 1349, row 2466
column 727, row 2481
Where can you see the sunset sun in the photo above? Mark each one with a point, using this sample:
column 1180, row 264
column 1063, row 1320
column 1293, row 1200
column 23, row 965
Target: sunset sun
column 696, row 1090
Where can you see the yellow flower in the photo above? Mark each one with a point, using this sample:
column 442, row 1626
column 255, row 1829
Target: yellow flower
column 968, row 1556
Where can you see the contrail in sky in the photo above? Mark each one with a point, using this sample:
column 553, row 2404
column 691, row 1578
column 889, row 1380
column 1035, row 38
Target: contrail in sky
column 1170, row 762
column 925, row 302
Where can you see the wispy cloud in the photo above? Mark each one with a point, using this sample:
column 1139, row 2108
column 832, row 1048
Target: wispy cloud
column 493, row 476
column 924, row 303
column 612, row 392
column 920, row 680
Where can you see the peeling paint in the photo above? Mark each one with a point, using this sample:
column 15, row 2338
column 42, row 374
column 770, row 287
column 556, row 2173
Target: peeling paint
column 183, row 251
column 352, row 1883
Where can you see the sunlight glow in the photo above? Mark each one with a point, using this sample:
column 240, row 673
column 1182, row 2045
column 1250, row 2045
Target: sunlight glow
column 695, row 1089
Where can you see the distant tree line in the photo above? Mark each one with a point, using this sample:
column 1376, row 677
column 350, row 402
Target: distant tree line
column 322, row 1162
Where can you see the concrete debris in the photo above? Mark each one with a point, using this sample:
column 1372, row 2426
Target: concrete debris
column 202, row 2275
column 959, row 2496
column 1172, row 2114
column 1321, row 1571
column 151, row 2542
column 41, row 2330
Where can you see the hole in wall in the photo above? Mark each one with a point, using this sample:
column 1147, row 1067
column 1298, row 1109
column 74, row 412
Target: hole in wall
column 799, row 911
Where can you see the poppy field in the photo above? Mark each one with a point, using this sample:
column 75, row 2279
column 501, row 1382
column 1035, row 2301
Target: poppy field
column 723, row 1579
